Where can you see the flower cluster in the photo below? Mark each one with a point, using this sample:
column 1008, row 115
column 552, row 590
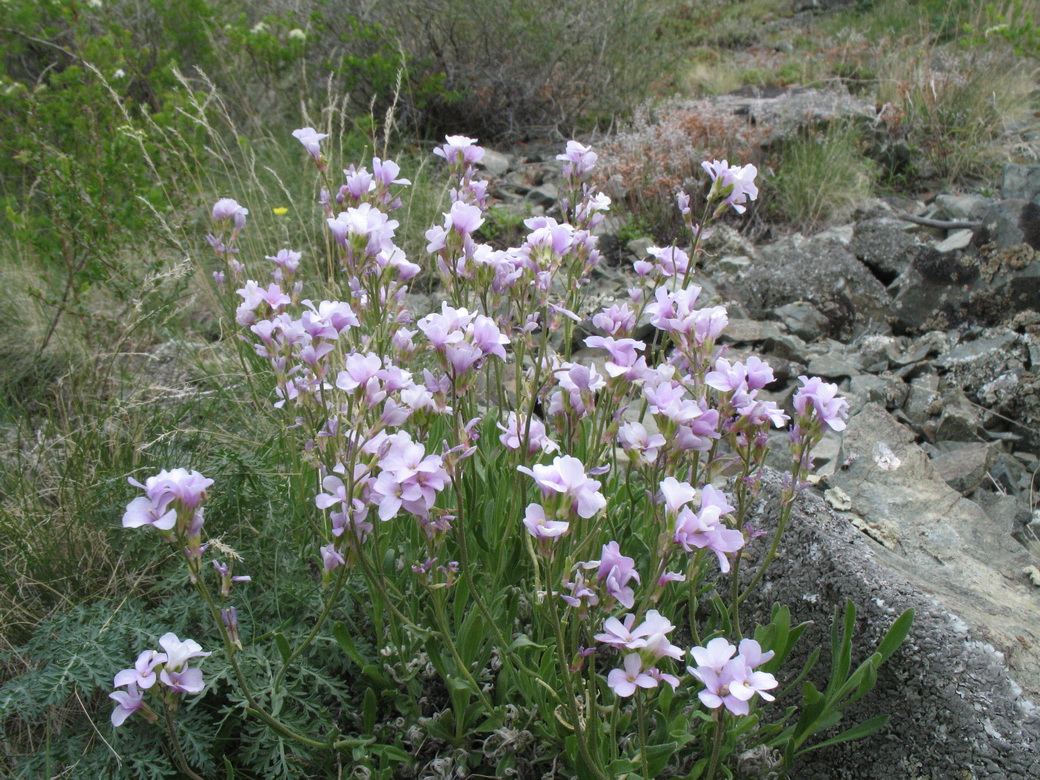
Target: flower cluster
column 168, row 668
column 728, row 680
column 651, row 452
column 650, row 642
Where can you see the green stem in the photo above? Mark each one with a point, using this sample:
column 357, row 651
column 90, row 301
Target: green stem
column 178, row 753
column 788, row 499
column 572, row 700
column 641, row 716
column 716, row 748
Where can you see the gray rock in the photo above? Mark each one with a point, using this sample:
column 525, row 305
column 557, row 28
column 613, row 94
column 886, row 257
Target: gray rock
column 495, row 163
column 733, row 264
column 964, row 466
column 956, row 711
column 725, row 240
column 940, row 291
column 788, row 347
column 544, row 196
column 888, row 390
column 884, row 246
column 879, row 351
column 959, row 420
column 923, row 400
column 963, row 207
column 1013, row 222
column 834, row 367
column 972, row 364
column 785, row 111
column 747, row 331
column 639, row 247
column 945, row 543
column 958, row 239
column 820, row 272
column 1021, row 182
column 802, row 319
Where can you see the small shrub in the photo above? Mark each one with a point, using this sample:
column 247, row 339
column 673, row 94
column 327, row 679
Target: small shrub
column 821, row 173
column 660, row 153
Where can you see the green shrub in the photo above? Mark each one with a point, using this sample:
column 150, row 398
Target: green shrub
column 820, row 174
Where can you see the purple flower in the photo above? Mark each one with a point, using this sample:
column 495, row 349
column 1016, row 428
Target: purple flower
column 367, row 225
column 513, row 432
column 144, row 511
column 715, row 655
column 676, row 494
column 618, row 320
column 625, row 681
column 228, row 209
column 579, row 160
column 310, row 138
column 651, row 636
column 143, row 674
column 682, row 200
column 286, row 259
column 178, row 652
column 539, row 527
column 165, row 494
column 736, row 185
column 184, row 681
column 616, row 571
column 385, row 172
column 566, row 476
column 706, row 530
column 635, row 439
column 127, row 703
column 330, row 557
column 752, row 652
column 671, row 260
column 460, row 150
column 822, row 396
column 579, row 589
column 617, row 633
column 464, row 218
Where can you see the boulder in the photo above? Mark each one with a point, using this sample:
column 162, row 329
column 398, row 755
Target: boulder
column 1021, row 182
column 945, row 544
column 819, row 271
column 956, row 710
column 1012, row 222
column 802, row 319
column 884, row 246
column 988, row 286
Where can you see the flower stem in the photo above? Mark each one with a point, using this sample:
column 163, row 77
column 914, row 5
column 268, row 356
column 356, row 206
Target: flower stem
column 716, row 748
column 178, row 753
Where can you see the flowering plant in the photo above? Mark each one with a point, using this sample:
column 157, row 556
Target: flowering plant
column 527, row 513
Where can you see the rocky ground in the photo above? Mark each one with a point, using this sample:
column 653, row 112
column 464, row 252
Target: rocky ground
column 927, row 314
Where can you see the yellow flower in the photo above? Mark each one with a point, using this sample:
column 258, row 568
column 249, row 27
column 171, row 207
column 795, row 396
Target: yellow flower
column 281, row 211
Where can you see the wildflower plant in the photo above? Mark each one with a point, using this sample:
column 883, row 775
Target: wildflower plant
column 543, row 545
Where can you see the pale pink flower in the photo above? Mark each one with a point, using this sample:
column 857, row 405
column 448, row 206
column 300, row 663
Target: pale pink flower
column 310, row 138
column 625, row 681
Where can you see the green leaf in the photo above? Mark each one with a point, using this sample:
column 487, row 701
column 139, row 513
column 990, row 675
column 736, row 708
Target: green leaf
column 391, row 752
column 523, row 640
column 283, row 646
column 896, row 635
column 368, row 710
column 346, row 644
column 472, row 635
column 658, row 756
column 864, row 729
column 229, row 770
